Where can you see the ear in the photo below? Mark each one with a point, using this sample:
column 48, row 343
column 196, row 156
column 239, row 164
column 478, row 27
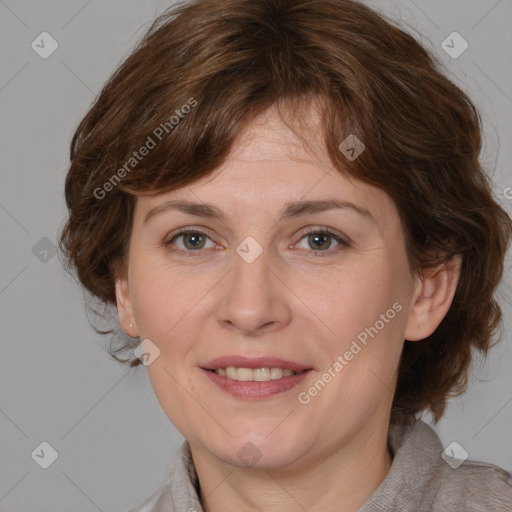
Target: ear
column 433, row 297
column 125, row 308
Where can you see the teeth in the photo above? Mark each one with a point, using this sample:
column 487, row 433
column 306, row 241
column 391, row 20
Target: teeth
column 258, row 374
column 276, row 373
column 231, row 372
column 244, row 374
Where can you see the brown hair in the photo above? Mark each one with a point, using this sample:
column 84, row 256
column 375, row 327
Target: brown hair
column 235, row 59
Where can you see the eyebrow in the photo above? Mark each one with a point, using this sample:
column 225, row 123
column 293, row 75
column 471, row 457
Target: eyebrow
column 290, row 210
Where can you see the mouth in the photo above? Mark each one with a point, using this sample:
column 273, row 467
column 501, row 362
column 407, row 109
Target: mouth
column 255, row 378
column 263, row 374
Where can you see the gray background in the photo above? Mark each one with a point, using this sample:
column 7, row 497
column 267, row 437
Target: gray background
column 57, row 383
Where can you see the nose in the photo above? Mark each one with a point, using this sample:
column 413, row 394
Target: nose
column 254, row 299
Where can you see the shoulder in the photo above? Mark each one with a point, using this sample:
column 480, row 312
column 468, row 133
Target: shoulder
column 478, row 486
column 446, row 483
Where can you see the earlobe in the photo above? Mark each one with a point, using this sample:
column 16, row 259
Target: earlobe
column 124, row 308
column 432, row 299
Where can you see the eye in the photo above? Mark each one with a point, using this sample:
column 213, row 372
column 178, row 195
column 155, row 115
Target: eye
column 321, row 240
column 190, row 240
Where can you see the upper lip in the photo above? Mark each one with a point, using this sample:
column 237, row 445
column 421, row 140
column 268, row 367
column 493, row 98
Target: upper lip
column 254, row 362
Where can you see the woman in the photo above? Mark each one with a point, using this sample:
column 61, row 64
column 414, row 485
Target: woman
column 283, row 199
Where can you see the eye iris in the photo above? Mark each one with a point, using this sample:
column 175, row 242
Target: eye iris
column 319, row 240
column 196, row 241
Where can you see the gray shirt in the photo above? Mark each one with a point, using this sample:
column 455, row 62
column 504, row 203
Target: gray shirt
column 419, row 480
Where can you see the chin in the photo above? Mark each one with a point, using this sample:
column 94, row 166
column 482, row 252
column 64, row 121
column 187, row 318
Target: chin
column 255, row 448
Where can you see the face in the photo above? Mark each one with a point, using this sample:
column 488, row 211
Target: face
column 291, row 266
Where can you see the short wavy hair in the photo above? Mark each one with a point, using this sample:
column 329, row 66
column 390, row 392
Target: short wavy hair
column 234, row 59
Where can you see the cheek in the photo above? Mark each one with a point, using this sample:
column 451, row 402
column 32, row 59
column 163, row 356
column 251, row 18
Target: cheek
column 173, row 307
column 363, row 310
column 155, row 305
column 164, row 297
column 353, row 298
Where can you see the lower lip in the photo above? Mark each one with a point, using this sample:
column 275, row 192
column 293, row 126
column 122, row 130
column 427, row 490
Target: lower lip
column 255, row 389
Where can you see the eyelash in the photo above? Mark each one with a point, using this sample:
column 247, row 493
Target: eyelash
column 343, row 243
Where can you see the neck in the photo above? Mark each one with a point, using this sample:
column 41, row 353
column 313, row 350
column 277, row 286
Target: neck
column 342, row 478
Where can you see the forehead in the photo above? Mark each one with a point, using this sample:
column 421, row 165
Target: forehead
column 270, row 137
column 270, row 165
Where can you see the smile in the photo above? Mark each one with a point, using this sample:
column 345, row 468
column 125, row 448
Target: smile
column 254, row 377
column 255, row 374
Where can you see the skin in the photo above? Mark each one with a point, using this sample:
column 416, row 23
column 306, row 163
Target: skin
column 296, row 301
